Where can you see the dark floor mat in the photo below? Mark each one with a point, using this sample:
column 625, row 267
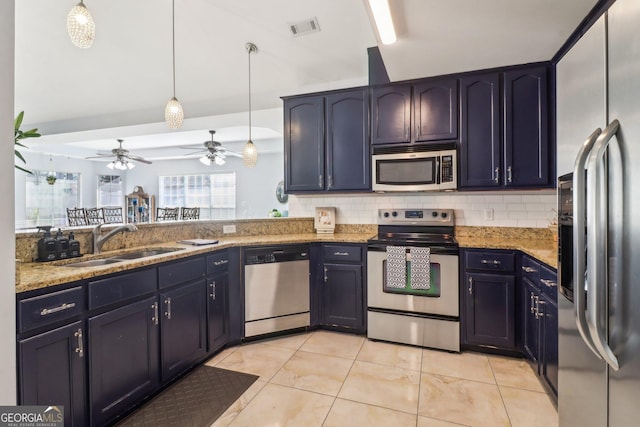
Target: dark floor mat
column 196, row 400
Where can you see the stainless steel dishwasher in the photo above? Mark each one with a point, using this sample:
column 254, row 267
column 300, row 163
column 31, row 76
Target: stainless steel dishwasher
column 276, row 289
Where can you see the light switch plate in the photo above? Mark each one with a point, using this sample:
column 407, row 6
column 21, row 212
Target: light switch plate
column 229, row 228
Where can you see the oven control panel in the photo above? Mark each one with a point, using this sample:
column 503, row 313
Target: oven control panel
column 416, row 217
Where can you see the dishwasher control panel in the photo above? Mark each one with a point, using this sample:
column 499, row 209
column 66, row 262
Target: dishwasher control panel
column 269, row 255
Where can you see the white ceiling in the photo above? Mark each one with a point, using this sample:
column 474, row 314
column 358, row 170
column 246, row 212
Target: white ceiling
column 81, row 99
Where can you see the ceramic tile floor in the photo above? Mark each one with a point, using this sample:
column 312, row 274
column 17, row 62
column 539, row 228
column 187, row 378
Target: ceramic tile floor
column 332, row 379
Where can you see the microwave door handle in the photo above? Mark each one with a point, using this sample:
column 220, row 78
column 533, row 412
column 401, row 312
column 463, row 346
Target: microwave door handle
column 579, row 257
column 597, row 242
column 438, row 180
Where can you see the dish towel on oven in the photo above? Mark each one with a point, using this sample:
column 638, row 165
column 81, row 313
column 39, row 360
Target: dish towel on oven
column 420, row 268
column 396, row 267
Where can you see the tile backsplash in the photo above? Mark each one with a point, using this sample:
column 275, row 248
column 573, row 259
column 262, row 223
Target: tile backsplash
column 508, row 209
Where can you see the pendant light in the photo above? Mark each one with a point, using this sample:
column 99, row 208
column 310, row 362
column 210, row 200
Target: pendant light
column 173, row 113
column 249, row 152
column 80, row 26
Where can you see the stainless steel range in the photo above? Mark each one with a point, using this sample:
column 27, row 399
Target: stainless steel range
column 412, row 289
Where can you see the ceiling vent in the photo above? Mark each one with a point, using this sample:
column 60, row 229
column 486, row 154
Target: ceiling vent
column 305, row 27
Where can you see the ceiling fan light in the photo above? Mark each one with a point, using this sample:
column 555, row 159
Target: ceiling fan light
column 120, row 165
column 249, row 154
column 205, row 160
column 80, row 26
column 130, row 165
column 219, row 161
column 173, row 114
column 111, row 165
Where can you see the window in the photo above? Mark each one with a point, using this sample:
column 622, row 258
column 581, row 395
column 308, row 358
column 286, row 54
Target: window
column 47, row 204
column 214, row 194
column 109, row 190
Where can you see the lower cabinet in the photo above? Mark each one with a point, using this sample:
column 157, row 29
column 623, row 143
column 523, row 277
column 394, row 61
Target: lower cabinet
column 540, row 320
column 217, row 316
column 183, row 328
column 52, row 371
column 342, row 284
column 489, row 299
column 123, row 358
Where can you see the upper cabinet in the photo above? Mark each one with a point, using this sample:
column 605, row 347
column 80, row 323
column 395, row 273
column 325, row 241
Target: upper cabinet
column 327, row 142
column 431, row 106
column 504, row 139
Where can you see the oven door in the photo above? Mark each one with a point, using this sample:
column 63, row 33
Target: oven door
column 442, row 301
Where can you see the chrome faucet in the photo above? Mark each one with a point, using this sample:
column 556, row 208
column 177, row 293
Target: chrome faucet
column 99, row 241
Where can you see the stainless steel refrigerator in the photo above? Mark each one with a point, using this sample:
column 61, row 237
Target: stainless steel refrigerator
column 598, row 139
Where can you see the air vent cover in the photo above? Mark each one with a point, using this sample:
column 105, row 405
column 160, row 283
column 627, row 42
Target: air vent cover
column 305, row 27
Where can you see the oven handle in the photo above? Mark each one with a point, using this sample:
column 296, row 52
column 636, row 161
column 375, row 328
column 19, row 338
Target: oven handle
column 435, row 250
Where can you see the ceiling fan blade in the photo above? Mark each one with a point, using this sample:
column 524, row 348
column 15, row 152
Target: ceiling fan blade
column 195, row 152
column 189, row 147
column 139, row 159
column 99, row 156
column 232, row 154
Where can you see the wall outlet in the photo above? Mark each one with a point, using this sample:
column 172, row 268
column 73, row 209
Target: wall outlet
column 229, row 228
column 488, row 214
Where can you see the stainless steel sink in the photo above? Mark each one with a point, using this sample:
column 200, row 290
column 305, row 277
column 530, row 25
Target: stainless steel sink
column 93, row 263
column 145, row 253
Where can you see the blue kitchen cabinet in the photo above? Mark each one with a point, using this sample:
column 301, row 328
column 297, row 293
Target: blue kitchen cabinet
column 123, row 358
column 52, row 371
column 327, row 142
column 391, row 114
column 489, row 299
column 342, row 287
column 347, row 145
column 526, row 129
column 505, row 143
column 435, row 110
column 480, row 143
column 217, row 312
column 304, row 144
column 183, row 328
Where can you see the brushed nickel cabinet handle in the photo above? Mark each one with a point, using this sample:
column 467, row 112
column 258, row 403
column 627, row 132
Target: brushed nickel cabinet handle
column 64, row 306
column 80, row 348
column 168, row 312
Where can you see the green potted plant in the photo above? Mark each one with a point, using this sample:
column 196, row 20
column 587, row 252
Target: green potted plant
column 19, row 135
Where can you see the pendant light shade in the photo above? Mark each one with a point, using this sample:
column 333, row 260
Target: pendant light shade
column 173, row 113
column 80, row 26
column 249, row 152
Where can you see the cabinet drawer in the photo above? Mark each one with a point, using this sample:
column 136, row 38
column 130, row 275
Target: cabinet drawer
column 50, row 308
column 531, row 270
column 181, row 272
column 549, row 283
column 217, row 262
column 122, row 287
column 490, row 261
column 349, row 253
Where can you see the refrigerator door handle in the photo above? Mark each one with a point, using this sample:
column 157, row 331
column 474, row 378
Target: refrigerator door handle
column 597, row 242
column 579, row 258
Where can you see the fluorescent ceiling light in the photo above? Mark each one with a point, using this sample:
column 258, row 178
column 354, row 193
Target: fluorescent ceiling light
column 384, row 23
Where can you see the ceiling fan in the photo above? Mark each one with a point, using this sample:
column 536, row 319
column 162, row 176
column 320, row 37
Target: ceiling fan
column 214, row 152
column 122, row 158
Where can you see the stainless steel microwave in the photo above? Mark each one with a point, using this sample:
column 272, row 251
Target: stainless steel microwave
column 415, row 171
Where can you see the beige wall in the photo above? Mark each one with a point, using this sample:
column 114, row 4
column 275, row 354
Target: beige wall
column 7, row 249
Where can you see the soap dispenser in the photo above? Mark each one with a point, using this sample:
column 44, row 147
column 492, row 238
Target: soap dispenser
column 62, row 245
column 74, row 246
column 46, row 245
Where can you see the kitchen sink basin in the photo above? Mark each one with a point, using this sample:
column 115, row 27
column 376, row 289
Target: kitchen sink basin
column 93, row 263
column 145, row 253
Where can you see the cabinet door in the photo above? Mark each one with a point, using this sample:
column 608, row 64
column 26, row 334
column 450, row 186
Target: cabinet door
column 550, row 343
column 304, row 144
column 123, row 358
column 217, row 323
column 391, row 115
column 435, row 110
column 531, row 324
column 343, row 304
column 490, row 310
column 480, row 131
column 526, row 132
column 347, row 130
column 52, row 371
column 183, row 328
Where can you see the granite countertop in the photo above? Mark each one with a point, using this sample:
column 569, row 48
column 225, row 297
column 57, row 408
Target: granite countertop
column 34, row 275
column 545, row 250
